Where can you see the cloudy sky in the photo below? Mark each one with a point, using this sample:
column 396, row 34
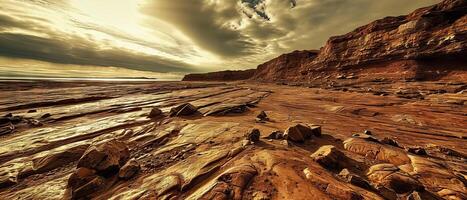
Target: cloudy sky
column 169, row 38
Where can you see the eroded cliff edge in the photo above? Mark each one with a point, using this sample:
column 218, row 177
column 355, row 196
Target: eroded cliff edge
column 227, row 75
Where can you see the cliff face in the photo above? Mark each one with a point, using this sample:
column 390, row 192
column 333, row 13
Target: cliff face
column 221, row 76
column 428, row 43
column 284, row 66
column 436, row 31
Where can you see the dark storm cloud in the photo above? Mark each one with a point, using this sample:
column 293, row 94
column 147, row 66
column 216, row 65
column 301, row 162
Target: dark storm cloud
column 206, row 24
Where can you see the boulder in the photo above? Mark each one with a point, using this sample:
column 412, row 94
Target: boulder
column 329, row 157
column 253, row 135
column 106, row 158
column 275, row 135
column 84, row 182
column 392, row 177
column 300, row 132
column 130, row 169
column 183, row 110
column 155, row 113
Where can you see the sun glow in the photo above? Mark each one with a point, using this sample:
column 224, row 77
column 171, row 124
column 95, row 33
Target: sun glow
column 122, row 13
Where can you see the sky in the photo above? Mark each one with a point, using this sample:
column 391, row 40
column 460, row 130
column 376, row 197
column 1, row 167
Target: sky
column 169, row 38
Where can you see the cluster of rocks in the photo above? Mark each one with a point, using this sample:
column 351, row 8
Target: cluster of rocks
column 10, row 122
column 389, row 169
column 99, row 167
column 298, row 133
column 185, row 109
column 385, row 179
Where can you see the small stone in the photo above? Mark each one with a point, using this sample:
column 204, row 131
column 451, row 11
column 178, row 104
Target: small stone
column 390, row 141
column 45, row 116
column 367, row 132
column 127, row 133
column 262, row 116
column 275, row 135
column 34, row 122
column 417, row 151
column 128, row 170
column 253, row 135
column 155, row 112
column 183, row 110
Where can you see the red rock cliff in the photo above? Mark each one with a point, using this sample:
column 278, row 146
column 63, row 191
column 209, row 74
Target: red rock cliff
column 284, row 66
column 221, row 76
column 439, row 30
column 429, row 42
